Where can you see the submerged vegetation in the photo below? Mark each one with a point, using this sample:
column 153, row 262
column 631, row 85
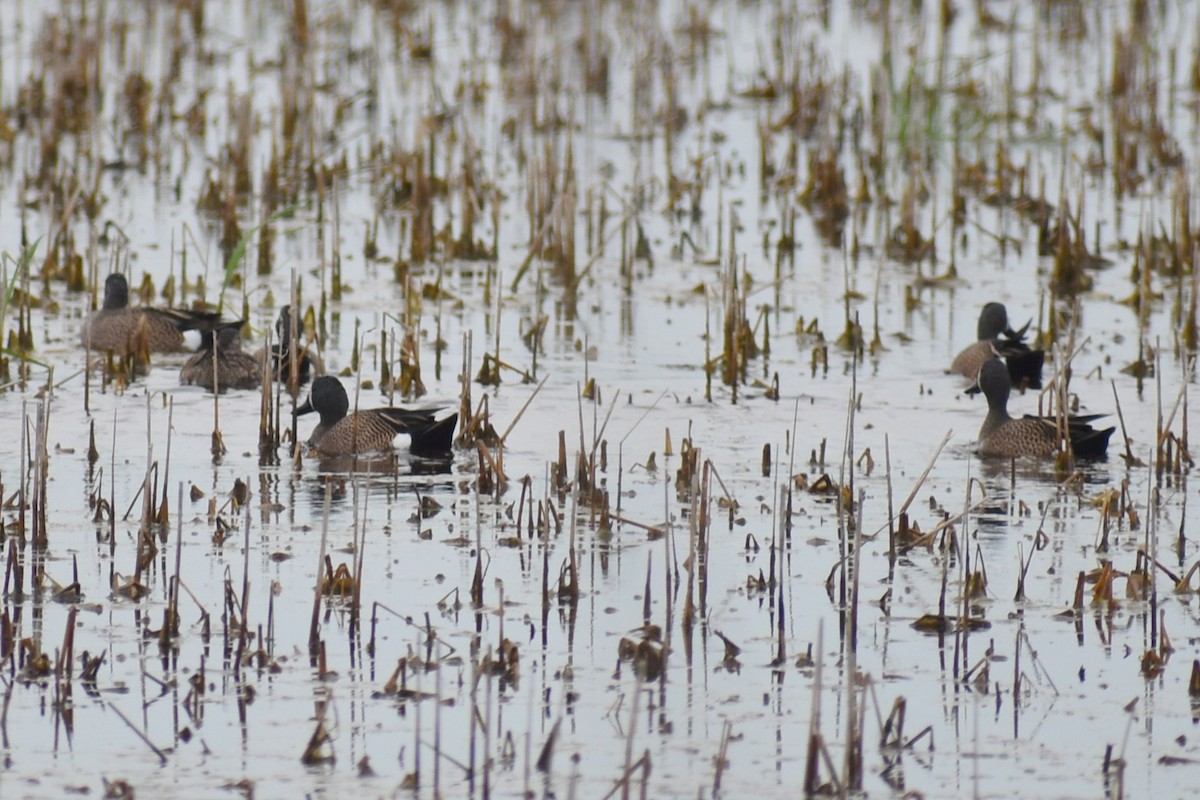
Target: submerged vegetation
column 691, row 275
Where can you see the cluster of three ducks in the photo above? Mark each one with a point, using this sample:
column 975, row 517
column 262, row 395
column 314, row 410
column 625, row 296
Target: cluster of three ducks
column 997, row 361
column 220, row 364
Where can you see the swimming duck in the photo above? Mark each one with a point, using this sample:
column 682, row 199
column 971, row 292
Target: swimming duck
column 235, row 369
column 1006, row 437
column 121, row 328
column 340, row 433
column 996, row 338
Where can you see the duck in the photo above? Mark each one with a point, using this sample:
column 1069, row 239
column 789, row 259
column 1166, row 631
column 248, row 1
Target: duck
column 994, row 338
column 235, row 369
column 340, row 433
column 1003, row 436
column 280, row 353
column 121, row 328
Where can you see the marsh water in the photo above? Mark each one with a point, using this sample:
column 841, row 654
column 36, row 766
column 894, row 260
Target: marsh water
column 588, row 191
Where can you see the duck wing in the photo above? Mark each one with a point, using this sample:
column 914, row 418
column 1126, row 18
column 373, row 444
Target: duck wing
column 430, row 436
column 187, row 320
column 1086, row 441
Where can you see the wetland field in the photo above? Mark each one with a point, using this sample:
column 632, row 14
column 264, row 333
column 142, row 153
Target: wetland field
column 692, row 274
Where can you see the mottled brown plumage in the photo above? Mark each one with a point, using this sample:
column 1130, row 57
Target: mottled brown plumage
column 1002, row 436
column 974, row 356
column 340, row 433
column 235, row 369
column 996, row 338
column 122, row 328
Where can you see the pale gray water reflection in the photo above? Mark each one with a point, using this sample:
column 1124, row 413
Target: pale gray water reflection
column 407, row 166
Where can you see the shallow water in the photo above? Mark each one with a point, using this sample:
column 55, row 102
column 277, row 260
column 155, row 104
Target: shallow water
column 1059, row 691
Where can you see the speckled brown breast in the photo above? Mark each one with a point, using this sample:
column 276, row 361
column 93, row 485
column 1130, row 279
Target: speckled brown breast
column 1014, row 438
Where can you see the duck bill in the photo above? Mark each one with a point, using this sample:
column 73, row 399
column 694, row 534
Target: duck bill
column 305, row 408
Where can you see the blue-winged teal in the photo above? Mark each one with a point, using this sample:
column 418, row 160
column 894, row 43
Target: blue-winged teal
column 122, row 328
column 235, row 369
column 1006, row 437
column 339, row 434
column 281, row 360
column 996, row 338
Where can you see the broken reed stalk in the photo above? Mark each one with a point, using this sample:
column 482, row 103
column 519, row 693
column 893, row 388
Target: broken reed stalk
column 1188, row 368
column 437, row 338
column 164, row 508
column 140, row 734
column 465, row 421
column 173, row 602
column 41, row 537
column 633, row 718
column 916, row 486
column 708, row 360
column 734, row 311
column 621, row 444
column 293, row 382
column 1164, row 426
column 1129, row 457
column 945, row 576
column 1159, row 428
column 811, row 763
column 571, row 590
column 244, row 633
column 216, row 373
column 854, row 741
column 845, row 493
column 1151, row 546
column 487, row 728
column 437, row 729
column 112, row 491
column 686, row 619
column 668, row 546
column 314, row 638
column 359, row 554
column 499, row 320
column 268, row 433
column 962, row 628
column 66, row 657
column 703, row 529
column 887, row 464
column 145, row 539
column 477, row 578
column 218, row 441
column 1027, row 562
column 23, row 479
column 778, row 560
column 472, row 736
column 792, row 445
column 598, row 435
column 87, row 369
column 721, row 761
column 295, row 354
column 520, row 413
column 584, row 478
